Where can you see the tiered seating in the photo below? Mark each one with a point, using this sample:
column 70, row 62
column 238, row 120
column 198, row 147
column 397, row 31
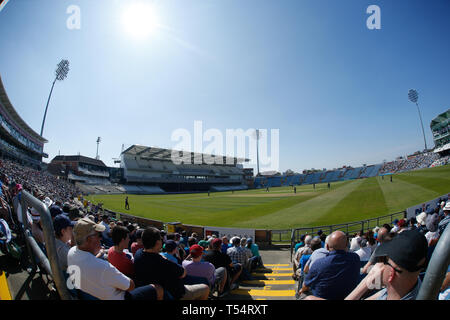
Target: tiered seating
column 229, row 188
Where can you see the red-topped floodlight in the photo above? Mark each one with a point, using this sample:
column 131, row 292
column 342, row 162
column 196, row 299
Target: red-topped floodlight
column 413, row 96
column 60, row 74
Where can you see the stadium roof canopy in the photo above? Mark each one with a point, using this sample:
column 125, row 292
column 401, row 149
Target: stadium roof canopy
column 153, row 153
column 442, row 148
column 441, row 120
column 14, row 116
column 81, row 159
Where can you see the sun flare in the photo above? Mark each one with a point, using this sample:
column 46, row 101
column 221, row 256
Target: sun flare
column 140, row 20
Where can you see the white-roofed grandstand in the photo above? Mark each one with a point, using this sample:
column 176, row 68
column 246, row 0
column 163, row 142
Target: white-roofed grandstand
column 146, row 167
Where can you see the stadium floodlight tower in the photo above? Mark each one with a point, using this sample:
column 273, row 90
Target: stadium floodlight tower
column 61, row 73
column 413, row 96
column 257, row 136
column 98, row 141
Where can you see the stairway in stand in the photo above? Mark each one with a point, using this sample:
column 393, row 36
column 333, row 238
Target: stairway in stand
column 272, row 283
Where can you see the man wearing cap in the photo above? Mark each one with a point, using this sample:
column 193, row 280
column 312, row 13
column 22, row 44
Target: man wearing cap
column 98, row 277
column 63, row 238
column 170, row 251
column 151, row 267
column 198, row 268
column 400, row 262
column 443, row 223
column 395, row 227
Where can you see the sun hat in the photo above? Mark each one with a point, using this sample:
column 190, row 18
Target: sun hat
column 421, row 218
column 85, row 227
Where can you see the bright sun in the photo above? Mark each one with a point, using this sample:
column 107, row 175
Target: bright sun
column 139, row 20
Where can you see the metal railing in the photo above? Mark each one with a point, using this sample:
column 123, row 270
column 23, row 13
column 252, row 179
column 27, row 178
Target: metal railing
column 437, row 268
column 49, row 263
column 350, row 227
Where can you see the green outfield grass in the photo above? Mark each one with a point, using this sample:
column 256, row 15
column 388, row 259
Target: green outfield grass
column 282, row 209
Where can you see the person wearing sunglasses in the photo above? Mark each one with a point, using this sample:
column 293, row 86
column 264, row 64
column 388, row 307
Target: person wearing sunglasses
column 396, row 273
column 97, row 277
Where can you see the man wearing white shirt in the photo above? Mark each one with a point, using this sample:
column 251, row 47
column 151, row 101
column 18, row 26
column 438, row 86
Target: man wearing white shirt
column 98, row 277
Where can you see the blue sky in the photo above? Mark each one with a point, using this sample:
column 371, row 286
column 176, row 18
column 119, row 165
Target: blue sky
column 336, row 90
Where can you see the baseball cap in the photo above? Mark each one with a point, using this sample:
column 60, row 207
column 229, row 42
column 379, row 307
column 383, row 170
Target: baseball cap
column 395, row 221
column 249, row 240
column 402, row 223
column 196, row 251
column 203, row 243
column 170, row 245
column 406, row 249
column 61, row 222
column 85, row 227
column 55, row 210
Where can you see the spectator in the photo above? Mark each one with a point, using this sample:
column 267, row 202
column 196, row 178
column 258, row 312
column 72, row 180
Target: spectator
column 399, row 263
column 107, row 233
column 63, row 238
column 387, row 226
column 316, row 255
column 445, row 288
column 421, row 222
column 402, row 225
column 354, row 243
column 364, row 251
column 203, row 243
column 198, row 268
column 383, row 236
column 116, row 255
column 412, row 223
column 306, row 249
column 316, row 244
column 225, row 244
column 432, row 224
column 132, row 228
column 191, row 242
column 238, row 255
column 249, row 253
column 371, row 241
column 441, row 210
column 112, row 284
column 170, row 251
column 184, row 238
column 151, row 267
column 301, row 243
column 443, row 223
column 222, row 260
column 257, row 260
column 334, row 276
column 395, row 227
column 135, row 246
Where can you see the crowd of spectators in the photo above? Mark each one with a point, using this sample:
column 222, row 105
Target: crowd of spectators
column 441, row 161
column 386, row 263
column 424, row 160
column 147, row 263
column 39, row 183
